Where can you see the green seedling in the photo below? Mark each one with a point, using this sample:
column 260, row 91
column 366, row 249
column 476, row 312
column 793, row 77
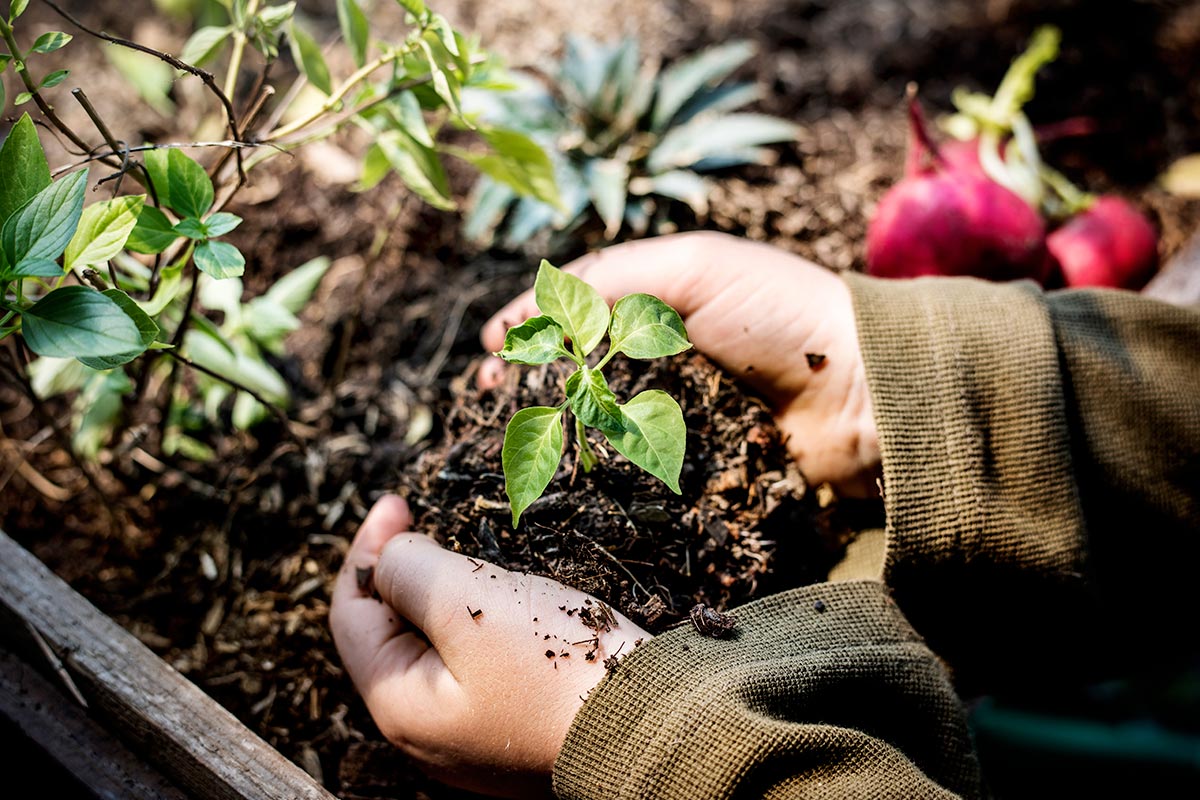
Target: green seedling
column 648, row 430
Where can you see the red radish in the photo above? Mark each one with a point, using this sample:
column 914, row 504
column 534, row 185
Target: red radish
column 947, row 218
column 1109, row 244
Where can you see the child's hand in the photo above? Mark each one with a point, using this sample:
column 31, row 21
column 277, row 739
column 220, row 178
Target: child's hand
column 760, row 313
column 474, row 671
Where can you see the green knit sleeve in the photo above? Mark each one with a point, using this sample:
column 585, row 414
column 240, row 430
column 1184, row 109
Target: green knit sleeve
column 1131, row 371
column 822, row 692
column 1040, row 460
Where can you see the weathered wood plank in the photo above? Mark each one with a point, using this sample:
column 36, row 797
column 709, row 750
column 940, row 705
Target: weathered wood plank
column 61, row 729
column 196, row 743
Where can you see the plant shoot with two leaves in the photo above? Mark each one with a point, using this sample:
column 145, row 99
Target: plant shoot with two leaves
column 648, row 430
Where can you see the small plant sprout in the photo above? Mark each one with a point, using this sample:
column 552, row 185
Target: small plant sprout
column 648, row 430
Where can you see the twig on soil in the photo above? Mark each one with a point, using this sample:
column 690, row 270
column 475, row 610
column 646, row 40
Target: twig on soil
column 21, row 466
column 623, row 568
column 17, row 370
column 450, row 332
column 56, row 664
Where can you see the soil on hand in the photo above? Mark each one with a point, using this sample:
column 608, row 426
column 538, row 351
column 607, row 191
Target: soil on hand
column 743, row 524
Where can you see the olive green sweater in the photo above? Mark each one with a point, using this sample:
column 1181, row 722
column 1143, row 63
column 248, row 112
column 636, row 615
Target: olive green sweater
column 1041, row 455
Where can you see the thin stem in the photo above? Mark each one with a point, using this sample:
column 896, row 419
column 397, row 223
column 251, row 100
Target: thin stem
column 241, row 387
column 239, row 49
column 203, row 75
column 6, row 32
column 612, row 351
column 141, row 148
column 334, row 99
column 264, row 94
column 587, row 456
column 19, row 372
column 118, row 148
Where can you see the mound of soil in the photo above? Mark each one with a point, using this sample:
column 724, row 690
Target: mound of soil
column 744, row 523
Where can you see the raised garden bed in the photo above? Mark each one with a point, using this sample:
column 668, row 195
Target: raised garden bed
column 223, row 569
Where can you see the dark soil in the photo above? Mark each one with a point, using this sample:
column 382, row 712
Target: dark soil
column 225, row 568
column 743, row 524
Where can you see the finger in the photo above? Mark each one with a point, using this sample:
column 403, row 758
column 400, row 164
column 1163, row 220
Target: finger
column 672, row 268
column 361, row 624
column 421, row 581
column 490, row 374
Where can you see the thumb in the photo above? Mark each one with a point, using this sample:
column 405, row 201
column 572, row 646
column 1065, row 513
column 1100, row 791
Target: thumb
column 680, row 270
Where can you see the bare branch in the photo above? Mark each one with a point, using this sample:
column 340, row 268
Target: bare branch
column 204, row 75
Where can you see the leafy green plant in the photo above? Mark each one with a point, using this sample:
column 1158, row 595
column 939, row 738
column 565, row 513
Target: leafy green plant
column 648, row 430
column 90, row 290
column 624, row 137
column 46, row 233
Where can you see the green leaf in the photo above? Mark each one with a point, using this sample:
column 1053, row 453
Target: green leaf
column 490, row 200
column 180, row 183
column 50, row 377
column 273, row 17
column 645, row 327
column 22, row 98
column 294, row 289
column 16, row 8
column 219, row 259
column 445, row 33
column 355, row 29
column 653, row 436
column 519, row 162
column 414, row 7
column 203, row 45
column 608, row 186
column 704, row 138
column 147, row 329
column 152, row 234
column 36, row 268
column 532, row 449
column 535, row 341
column 574, row 305
column 584, row 66
column 442, row 85
column 718, row 100
column 375, row 168
column 42, row 227
column 50, row 41
column 592, row 401
column 23, row 168
column 5, row 60
column 103, row 229
column 418, row 166
column 1017, row 87
column 192, row 228
column 679, row 184
column 412, row 120
column 307, row 55
column 76, row 321
column 268, row 323
column 221, row 223
column 97, row 410
column 54, row 79
column 250, row 371
column 153, row 79
column 681, row 81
